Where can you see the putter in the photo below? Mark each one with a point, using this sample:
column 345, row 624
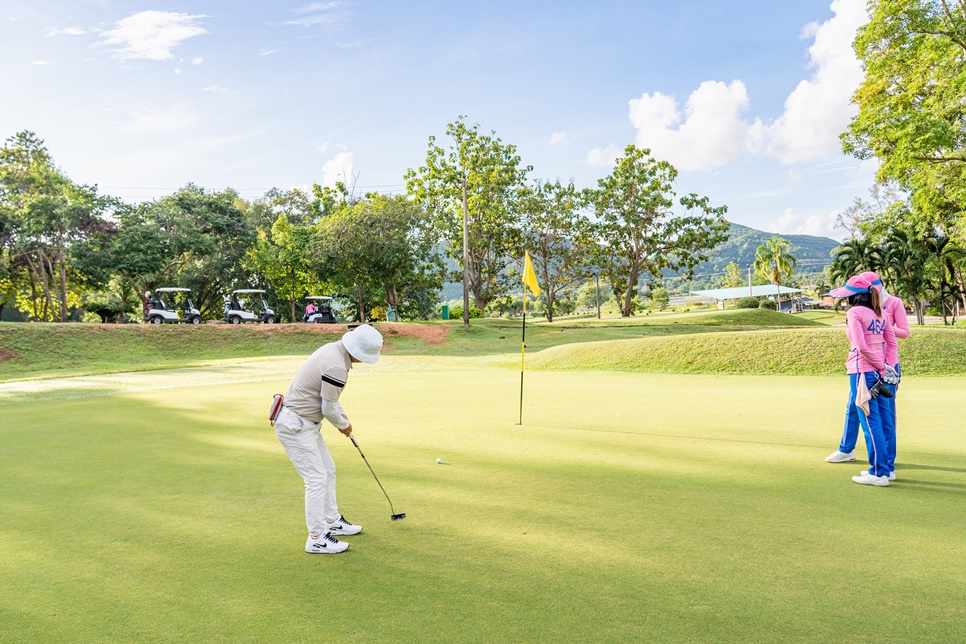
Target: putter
column 393, row 516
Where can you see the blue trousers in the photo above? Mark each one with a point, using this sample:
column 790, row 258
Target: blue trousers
column 850, row 434
column 878, row 428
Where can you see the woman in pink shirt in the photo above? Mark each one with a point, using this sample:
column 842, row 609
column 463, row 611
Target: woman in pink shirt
column 896, row 311
column 871, row 339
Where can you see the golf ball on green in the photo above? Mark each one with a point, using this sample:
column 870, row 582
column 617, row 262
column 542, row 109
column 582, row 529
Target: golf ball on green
column 439, row 460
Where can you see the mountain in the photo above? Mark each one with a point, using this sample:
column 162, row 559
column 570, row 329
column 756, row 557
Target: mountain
column 813, row 253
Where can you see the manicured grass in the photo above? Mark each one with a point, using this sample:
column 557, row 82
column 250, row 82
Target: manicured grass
column 628, row 507
column 808, row 351
column 57, row 350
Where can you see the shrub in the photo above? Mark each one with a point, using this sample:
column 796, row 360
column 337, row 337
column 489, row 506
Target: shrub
column 768, row 304
column 377, row 313
column 747, row 303
column 456, row 314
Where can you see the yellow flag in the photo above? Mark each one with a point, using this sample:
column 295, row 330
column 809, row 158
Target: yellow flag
column 530, row 277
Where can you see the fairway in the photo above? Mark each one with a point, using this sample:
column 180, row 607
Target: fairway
column 627, row 507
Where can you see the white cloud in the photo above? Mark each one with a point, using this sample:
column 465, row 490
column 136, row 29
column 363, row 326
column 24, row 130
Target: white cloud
column 323, row 147
column 711, row 130
column 559, row 138
column 819, row 108
column 152, row 35
column 821, row 224
column 197, row 60
column 267, row 52
column 154, row 119
column 709, row 133
column 69, row 31
column 603, row 156
column 327, row 14
column 338, row 168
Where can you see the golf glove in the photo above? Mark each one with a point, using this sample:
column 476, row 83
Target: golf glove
column 891, row 376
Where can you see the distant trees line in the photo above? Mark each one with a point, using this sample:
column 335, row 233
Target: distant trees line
column 66, row 250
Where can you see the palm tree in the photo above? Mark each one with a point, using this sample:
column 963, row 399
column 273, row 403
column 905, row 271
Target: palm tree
column 774, row 262
column 855, row 256
column 907, row 256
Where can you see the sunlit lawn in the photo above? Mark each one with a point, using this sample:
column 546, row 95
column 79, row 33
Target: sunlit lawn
column 628, row 507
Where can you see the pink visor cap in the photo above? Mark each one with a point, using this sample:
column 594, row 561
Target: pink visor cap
column 856, row 284
column 874, row 280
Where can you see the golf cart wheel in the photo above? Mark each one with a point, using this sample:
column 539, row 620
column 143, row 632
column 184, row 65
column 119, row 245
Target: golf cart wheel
column 157, row 319
column 195, row 319
column 270, row 320
column 234, row 320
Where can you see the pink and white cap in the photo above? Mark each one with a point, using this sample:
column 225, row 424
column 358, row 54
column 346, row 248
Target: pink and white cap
column 856, row 284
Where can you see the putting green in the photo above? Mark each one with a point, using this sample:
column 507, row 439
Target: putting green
column 627, row 507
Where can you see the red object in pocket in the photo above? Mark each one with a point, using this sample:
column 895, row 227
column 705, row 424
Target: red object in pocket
column 276, row 407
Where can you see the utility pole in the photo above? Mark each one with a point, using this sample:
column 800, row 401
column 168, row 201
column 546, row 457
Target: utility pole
column 466, row 255
column 750, row 294
column 597, row 283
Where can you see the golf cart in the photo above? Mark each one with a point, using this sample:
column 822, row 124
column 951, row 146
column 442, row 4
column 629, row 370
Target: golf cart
column 319, row 310
column 236, row 313
column 158, row 311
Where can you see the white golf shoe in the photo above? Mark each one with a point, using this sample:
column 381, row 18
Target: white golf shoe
column 892, row 475
column 342, row 528
column 840, row 457
column 867, row 479
column 325, row 544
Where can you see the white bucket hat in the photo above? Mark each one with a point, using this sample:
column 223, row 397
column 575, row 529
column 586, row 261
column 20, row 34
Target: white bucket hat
column 363, row 343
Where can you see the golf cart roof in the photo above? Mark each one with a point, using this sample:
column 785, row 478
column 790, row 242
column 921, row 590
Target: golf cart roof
column 248, row 290
column 172, row 290
column 318, row 297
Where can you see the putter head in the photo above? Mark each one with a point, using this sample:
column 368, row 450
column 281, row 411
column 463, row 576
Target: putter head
column 398, row 517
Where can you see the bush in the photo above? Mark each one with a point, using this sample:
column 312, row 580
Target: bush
column 456, row 314
column 768, row 304
column 747, row 303
column 377, row 313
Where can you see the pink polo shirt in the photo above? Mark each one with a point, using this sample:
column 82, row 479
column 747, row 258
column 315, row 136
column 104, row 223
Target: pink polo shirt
column 871, row 339
column 897, row 313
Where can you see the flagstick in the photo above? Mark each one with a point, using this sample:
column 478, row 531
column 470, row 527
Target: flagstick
column 523, row 350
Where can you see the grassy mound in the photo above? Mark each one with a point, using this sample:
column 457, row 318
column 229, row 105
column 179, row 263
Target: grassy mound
column 47, row 350
column 822, row 351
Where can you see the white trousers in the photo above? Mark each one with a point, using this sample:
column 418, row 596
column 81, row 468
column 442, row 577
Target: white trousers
column 306, row 448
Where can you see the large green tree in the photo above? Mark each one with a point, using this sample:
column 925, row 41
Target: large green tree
column 281, row 258
column 44, row 217
column 558, row 237
column 639, row 230
column 380, row 251
column 482, row 174
column 912, row 102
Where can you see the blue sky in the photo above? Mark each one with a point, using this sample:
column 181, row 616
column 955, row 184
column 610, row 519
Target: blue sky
column 745, row 98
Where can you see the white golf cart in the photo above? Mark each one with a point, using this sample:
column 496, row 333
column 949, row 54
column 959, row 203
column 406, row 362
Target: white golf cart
column 178, row 308
column 236, row 313
column 319, row 310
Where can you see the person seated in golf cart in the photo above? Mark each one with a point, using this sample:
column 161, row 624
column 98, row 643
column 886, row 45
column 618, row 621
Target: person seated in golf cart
column 309, row 309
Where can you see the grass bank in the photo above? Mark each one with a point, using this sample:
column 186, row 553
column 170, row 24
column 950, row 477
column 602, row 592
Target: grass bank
column 55, row 350
column 806, row 351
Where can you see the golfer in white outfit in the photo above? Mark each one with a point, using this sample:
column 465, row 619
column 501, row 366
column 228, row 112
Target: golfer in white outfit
column 312, row 397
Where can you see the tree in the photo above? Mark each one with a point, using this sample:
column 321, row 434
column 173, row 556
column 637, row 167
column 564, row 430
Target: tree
column 912, row 100
column 558, row 238
column 774, row 261
column 640, row 234
column 734, row 277
column 43, row 216
column 853, row 257
column 481, row 174
column 380, row 251
column 281, row 258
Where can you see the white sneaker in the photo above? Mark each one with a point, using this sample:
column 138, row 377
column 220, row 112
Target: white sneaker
column 892, row 475
column 342, row 528
column 867, row 479
column 325, row 544
column 840, row 457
